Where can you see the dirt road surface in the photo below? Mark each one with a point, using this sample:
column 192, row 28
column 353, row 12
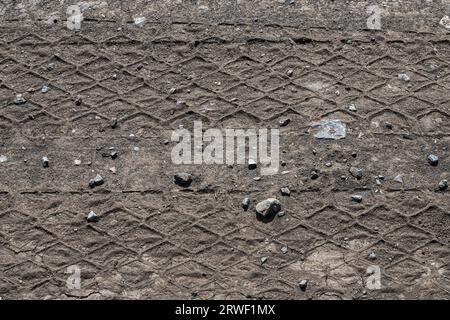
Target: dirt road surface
column 115, row 85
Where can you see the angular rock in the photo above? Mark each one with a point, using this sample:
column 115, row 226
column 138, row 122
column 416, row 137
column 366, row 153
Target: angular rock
column 285, row 191
column 140, row 21
column 398, row 179
column 433, row 160
column 78, row 100
column 303, row 284
column 356, row 172
column 445, row 22
column 183, row 179
column 245, row 204
column 252, row 164
column 97, row 181
column 20, row 99
column 329, row 129
column 92, row 217
column 356, row 198
column 404, row 77
column 268, row 208
column 284, row 122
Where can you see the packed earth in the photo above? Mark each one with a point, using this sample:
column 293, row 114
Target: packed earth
column 360, row 207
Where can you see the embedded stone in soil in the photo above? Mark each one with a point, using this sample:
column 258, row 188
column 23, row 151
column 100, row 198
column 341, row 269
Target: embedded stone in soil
column 267, row 209
column 183, row 179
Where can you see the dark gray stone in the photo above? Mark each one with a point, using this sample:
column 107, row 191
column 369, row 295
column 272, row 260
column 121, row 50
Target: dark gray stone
column 183, row 179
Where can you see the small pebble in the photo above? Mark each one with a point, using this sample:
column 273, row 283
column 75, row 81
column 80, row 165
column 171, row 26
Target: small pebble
column 92, row 217
column 443, row 185
column 404, row 77
column 284, row 122
column 140, row 21
column 183, row 179
column 284, row 249
column 356, row 172
column 45, row 162
column 252, row 164
column 314, row 175
column 290, row 72
column 372, row 256
column 433, row 160
column 20, row 99
column 97, row 181
column 113, row 170
column 357, row 198
column 268, row 208
column 45, row 89
column 285, row 191
column 77, row 162
column 78, row 100
column 303, row 285
column 245, row 204
column 114, row 123
column 263, row 260
column 398, row 179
